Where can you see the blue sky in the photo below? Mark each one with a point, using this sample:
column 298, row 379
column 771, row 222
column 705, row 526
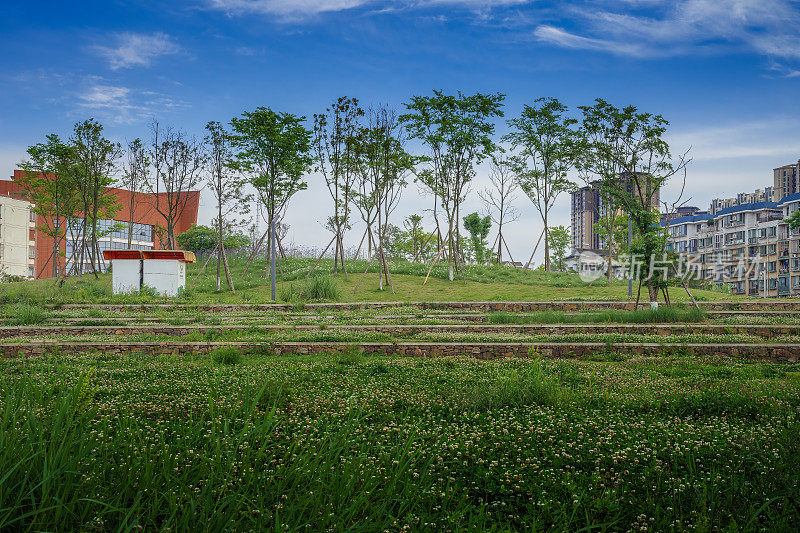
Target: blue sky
column 725, row 73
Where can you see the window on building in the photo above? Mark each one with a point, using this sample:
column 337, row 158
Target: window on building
column 32, row 216
column 32, row 234
column 31, row 271
column 1, row 250
column 31, row 253
column 771, row 266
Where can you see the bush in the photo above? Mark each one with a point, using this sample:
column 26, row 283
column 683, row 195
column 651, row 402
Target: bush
column 227, row 355
column 315, row 288
column 26, row 315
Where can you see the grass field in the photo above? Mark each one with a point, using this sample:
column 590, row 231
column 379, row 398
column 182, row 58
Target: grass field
column 267, row 443
column 246, row 440
column 498, row 283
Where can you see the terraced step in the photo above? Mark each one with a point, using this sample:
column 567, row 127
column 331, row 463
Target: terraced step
column 764, row 331
column 762, row 352
column 747, row 305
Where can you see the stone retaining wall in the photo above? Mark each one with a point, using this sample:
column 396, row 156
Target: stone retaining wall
column 754, row 304
column 762, row 352
column 765, row 331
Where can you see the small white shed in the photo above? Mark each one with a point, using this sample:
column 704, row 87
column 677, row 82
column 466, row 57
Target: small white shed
column 162, row 270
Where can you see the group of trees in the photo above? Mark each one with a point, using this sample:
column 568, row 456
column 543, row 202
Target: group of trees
column 263, row 157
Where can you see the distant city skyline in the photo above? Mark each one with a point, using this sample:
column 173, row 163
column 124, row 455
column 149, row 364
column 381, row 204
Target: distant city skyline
column 725, row 73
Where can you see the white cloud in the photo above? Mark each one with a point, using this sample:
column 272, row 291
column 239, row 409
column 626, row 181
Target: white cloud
column 565, row 39
column 137, row 49
column 681, row 27
column 299, row 9
column 121, row 105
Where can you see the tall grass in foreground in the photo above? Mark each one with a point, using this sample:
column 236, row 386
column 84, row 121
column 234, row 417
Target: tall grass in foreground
column 66, row 467
column 363, row 443
column 662, row 315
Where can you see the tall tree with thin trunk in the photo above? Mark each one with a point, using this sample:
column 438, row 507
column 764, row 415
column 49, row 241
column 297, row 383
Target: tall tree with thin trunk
column 543, row 140
column 273, row 151
column 95, row 163
column 49, row 184
column 178, row 162
column 626, row 150
column 333, row 150
column 457, row 131
column 228, row 188
column 499, row 199
column 380, row 158
column 134, row 177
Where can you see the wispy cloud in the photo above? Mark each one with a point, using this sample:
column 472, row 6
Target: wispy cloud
column 137, row 49
column 565, row 39
column 117, row 104
column 659, row 28
column 777, row 136
column 294, row 10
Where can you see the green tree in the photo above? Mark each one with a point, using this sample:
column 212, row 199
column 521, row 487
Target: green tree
column 560, row 240
column 478, row 229
column 334, row 131
column 95, row 161
column 626, row 150
column 178, row 162
column 228, row 188
column 203, row 239
column 413, row 225
column 380, row 158
column 457, row 131
column 134, row 177
column 49, row 184
column 273, row 151
column 544, row 140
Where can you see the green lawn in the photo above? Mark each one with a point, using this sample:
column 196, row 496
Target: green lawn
column 265, row 443
column 475, row 283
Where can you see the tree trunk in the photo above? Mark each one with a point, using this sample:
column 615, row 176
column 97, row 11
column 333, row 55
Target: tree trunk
column 272, row 257
column 652, row 289
column 546, row 244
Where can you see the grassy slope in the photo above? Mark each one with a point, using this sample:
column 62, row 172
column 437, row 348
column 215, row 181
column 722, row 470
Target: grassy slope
column 476, row 283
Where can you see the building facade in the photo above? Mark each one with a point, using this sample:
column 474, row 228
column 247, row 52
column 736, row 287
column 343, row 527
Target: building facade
column 74, row 252
column 585, row 211
column 748, row 248
column 17, row 238
column 588, row 206
column 767, row 194
column 786, row 181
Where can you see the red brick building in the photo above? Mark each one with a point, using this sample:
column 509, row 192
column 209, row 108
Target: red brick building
column 145, row 221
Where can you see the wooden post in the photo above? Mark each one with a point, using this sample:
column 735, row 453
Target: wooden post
column 204, row 266
column 434, row 262
column 221, row 246
column 255, row 251
column 320, row 257
column 508, row 250
column 534, row 250
column 371, row 259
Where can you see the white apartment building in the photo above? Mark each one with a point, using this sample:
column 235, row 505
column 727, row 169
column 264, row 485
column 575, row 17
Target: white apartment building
column 747, row 247
column 17, row 237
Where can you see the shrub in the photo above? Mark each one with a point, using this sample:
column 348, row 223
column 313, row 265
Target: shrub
column 26, row 315
column 227, row 355
column 314, row 288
